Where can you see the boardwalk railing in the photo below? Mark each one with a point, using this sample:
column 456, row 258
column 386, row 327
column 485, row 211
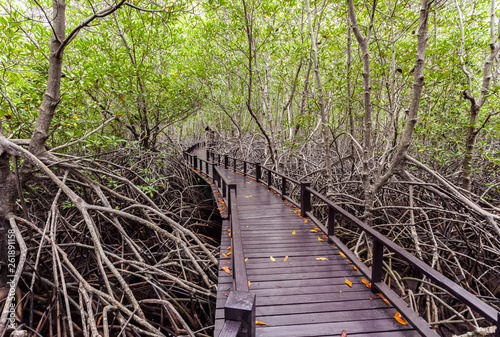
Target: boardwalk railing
column 239, row 310
column 267, row 176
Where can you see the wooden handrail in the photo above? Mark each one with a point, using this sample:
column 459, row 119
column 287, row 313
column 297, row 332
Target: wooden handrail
column 380, row 241
column 239, row 310
column 454, row 289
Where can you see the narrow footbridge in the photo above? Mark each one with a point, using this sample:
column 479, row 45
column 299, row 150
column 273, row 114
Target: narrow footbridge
column 284, row 273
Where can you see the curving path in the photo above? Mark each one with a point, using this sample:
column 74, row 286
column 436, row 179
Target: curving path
column 303, row 292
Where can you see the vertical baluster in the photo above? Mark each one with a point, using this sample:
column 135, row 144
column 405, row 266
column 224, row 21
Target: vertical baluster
column 269, row 179
column 195, row 159
column 331, row 221
column 497, row 333
column 234, row 164
column 226, row 161
column 283, row 187
column 215, row 174
column 378, row 255
column 258, row 171
column 244, row 168
column 305, row 199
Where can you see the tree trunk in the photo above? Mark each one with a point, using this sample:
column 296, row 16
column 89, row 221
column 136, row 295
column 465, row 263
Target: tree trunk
column 324, row 119
column 469, row 148
column 367, row 134
column 51, row 98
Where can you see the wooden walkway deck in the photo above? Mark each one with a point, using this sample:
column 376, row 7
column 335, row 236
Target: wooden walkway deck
column 298, row 294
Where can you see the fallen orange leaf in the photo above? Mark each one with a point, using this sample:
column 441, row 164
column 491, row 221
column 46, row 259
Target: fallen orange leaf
column 367, row 284
column 226, row 269
column 225, row 255
column 349, row 283
column 341, row 254
column 317, row 228
column 320, row 239
column 249, row 283
column 321, row 259
column 260, row 323
column 246, row 259
column 228, row 247
column 293, row 233
column 249, row 196
column 400, row 319
column 286, row 258
column 272, row 258
column 313, row 231
column 325, row 237
column 383, row 298
column 226, row 227
column 228, row 253
column 344, row 333
column 305, row 220
column 355, row 268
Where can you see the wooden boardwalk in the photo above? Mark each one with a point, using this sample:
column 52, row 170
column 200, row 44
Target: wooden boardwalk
column 297, row 293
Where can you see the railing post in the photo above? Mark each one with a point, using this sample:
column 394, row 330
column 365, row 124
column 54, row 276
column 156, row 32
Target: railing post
column 283, row 187
column 234, row 164
column 215, row 174
column 224, row 192
column 377, row 260
column 258, row 171
column 244, row 168
column 208, row 154
column 229, row 188
column 195, row 158
column 269, row 179
column 226, row 161
column 497, row 333
column 305, row 199
column 331, row 221
column 206, row 167
column 240, row 307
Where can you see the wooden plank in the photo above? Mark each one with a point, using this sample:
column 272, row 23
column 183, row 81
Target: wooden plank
column 326, row 317
column 314, row 298
column 331, row 329
column 288, row 309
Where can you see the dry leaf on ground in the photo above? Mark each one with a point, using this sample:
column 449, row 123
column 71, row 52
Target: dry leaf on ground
column 383, row 298
column 400, row 319
column 367, row 284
